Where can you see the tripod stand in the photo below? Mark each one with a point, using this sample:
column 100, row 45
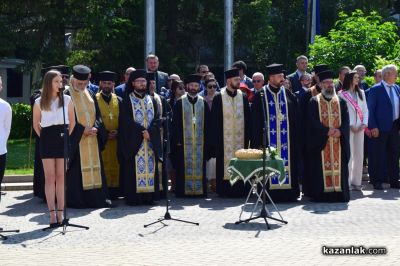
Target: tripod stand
column 65, row 223
column 264, row 214
column 167, row 215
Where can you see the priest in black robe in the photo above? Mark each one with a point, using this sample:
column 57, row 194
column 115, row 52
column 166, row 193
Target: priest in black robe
column 280, row 107
column 38, row 173
column 85, row 179
column 190, row 129
column 230, row 131
column 303, row 99
column 139, row 141
column 328, row 145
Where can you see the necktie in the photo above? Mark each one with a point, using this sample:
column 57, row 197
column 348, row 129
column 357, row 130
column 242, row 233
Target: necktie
column 392, row 101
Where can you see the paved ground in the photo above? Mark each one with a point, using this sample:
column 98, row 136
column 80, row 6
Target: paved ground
column 117, row 236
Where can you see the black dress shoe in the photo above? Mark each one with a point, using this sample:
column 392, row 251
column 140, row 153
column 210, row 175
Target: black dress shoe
column 395, row 185
column 378, row 186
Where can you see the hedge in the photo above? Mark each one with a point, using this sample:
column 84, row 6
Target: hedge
column 21, row 121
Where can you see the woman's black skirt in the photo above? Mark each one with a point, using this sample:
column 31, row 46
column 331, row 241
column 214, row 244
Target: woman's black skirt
column 52, row 142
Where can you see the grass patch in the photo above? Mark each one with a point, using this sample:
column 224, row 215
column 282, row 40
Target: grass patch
column 20, row 157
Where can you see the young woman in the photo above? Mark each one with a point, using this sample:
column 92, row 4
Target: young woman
column 358, row 114
column 48, row 123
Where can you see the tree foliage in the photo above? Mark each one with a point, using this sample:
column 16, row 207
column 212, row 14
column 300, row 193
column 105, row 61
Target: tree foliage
column 356, row 39
column 109, row 34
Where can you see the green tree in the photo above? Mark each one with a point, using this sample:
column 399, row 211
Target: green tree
column 355, row 39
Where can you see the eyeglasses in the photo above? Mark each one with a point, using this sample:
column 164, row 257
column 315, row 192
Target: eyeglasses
column 204, row 72
column 211, row 86
column 257, row 80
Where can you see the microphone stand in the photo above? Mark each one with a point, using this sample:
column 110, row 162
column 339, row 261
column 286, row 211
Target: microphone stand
column 65, row 223
column 264, row 214
column 167, row 215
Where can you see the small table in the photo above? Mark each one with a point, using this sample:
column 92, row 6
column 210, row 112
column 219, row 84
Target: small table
column 251, row 171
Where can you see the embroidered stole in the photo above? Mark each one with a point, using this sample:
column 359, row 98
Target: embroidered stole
column 278, row 134
column 193, row 144
column 233, row 126
column 143, row 114
column 109, row 114
column 330, row 116
column 88, row 147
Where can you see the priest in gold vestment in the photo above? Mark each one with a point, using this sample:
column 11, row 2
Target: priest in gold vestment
column 109, row 104
column 231, row 131
column 86, row 183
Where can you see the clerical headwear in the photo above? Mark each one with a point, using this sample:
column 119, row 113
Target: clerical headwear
column 320, row 68
column 231, row 73
column 81, row 72
column 274, row 69
column 138, row 73
column 64, row 70
column 106, row 76
column 150, row 76
column 193, row 78
column 325, row 75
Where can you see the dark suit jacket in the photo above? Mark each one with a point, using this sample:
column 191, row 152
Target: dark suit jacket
column 295, row 80
column 161, row 80
column 363, row 85
column 380, row 108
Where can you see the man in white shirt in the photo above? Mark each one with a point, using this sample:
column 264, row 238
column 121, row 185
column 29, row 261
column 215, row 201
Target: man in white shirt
column 5, row 127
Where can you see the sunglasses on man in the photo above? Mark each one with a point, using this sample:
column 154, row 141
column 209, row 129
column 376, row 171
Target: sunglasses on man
column 257, row 80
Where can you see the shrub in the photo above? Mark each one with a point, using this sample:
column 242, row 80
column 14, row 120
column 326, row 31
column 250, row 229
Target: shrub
column 21, row 121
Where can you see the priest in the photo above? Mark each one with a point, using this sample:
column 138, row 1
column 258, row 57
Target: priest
column 140, row 142
column 86, row 182
column 303, row 99
column 109, row 105
column 230, row 131
column 280, row 107
column 328, row 144
column 190, row 125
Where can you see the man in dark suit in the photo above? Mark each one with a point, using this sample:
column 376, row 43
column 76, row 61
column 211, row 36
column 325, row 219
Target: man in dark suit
column 301, row 63
column 384, row 122
column 152, row 64
column 361, row 71
column 342, row 72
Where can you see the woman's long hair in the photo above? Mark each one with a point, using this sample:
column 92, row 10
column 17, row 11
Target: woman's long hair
column 348, row 81
column 47, row 91
column 174, row 86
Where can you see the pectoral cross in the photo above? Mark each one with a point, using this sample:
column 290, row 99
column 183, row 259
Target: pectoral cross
column 280, row 117
column 194, row 120
column 110, row 116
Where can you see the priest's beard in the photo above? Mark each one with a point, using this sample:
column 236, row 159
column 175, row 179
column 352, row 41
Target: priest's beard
column 328, row 93
column 106, row 91
column 192, row 94
column 140, row 91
